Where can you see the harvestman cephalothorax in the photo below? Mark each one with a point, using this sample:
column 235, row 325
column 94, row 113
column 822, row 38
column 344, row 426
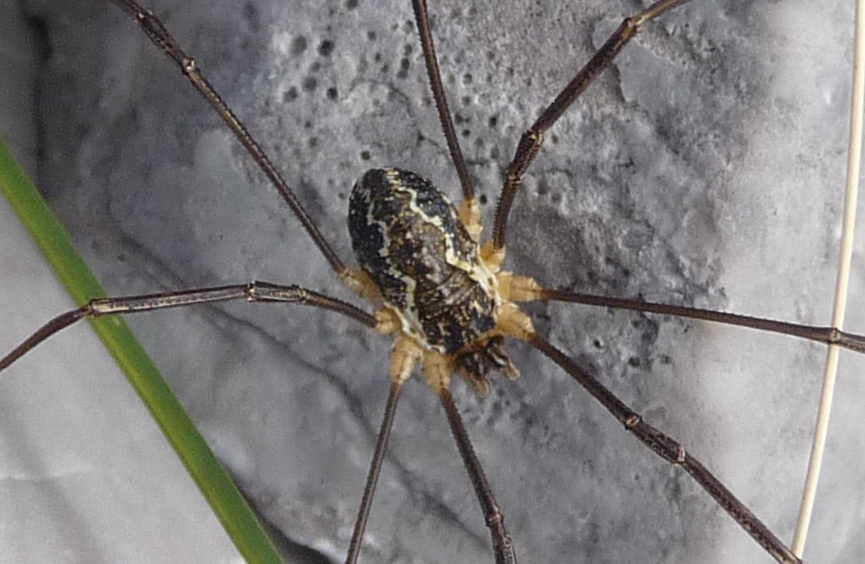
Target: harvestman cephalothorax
column 544, row 427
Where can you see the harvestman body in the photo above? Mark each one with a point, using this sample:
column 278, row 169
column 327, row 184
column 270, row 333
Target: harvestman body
column 407, row 326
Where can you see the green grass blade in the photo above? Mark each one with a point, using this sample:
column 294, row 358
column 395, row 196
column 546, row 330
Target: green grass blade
column 211, row 478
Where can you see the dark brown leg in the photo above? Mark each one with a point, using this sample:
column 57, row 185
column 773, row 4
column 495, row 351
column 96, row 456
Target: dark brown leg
column 160, row 37
column 421, row 17
column 532, row 139
column 374, row 471
column 503, row 548
column 671, row 451
column 827, row 335
column 251, row 292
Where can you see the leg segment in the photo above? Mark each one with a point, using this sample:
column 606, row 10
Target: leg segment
column 827, row 335
column 502, row 545
column 160, row 37
column 421, row 17
column 251, row 292
column 374, row 471
column 671, row 451
column 532, row 139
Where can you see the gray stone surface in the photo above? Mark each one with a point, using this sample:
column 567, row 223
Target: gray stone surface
column 705, row 168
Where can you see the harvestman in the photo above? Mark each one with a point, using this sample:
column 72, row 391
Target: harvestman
column 627, row 418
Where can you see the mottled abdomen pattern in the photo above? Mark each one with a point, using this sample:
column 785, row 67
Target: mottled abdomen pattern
column 408, row 238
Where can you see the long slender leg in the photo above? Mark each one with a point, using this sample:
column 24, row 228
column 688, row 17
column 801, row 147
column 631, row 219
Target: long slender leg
column 160, row 37
column 531, row 140
column 671, row 451
column 502, row 545
column 827, row 335
column 421, row 16
column 251, row 292
column 374, row 471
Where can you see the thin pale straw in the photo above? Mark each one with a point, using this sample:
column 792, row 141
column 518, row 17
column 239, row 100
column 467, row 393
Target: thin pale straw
column 841, row 288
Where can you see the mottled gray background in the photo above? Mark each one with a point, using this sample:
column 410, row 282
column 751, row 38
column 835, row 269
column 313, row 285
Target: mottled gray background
column 705, row 168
